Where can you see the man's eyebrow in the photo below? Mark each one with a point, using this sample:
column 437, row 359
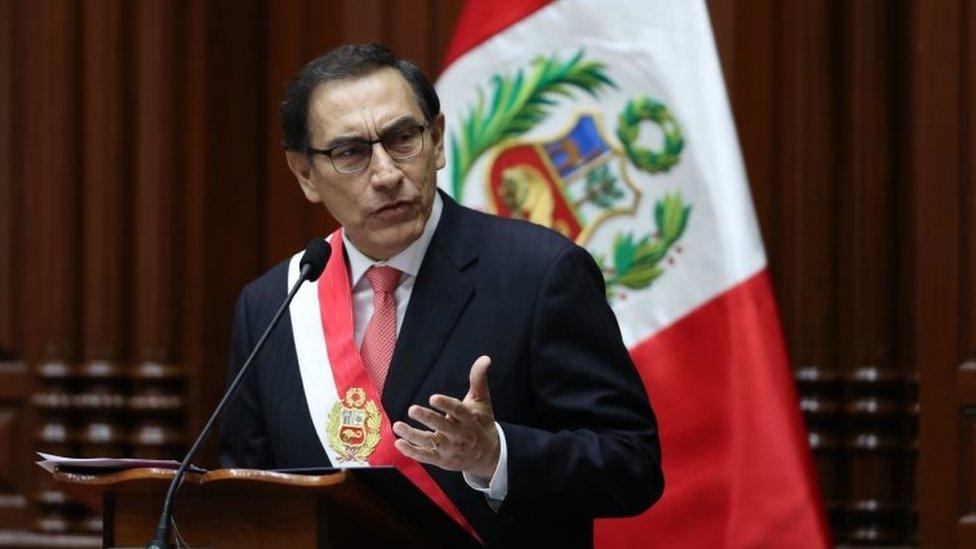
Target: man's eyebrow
column 343, row 140
column 401, row 122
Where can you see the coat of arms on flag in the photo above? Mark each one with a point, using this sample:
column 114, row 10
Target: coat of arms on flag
column 580, row 177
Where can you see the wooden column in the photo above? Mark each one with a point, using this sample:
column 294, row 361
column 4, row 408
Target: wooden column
column 105, row 287
column 298, row 31
column 9, row 214
column 284, row 204
column 102, row 385
column 157, row 183
column 878, row 436
column 445, row 14
column 966, row 374
column 225, row 220
column 362, row 20
column 406, row 21
column 48, row 44
column 805, row 158
column 15, row 379
column 930, row 150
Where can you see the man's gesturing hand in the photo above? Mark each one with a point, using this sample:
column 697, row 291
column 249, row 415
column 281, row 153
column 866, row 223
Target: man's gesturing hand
column 463, row 438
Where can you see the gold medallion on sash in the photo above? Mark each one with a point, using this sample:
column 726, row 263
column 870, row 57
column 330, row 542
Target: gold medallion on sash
column 354, row 426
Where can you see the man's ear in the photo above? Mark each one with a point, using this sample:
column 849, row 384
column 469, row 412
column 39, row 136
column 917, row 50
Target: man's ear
column 301, row 166
column 437, row 135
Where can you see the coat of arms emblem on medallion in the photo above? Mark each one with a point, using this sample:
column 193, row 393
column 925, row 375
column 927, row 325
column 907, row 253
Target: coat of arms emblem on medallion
column 354, row 426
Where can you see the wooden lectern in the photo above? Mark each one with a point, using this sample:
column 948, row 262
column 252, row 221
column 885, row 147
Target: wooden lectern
column 251, row 508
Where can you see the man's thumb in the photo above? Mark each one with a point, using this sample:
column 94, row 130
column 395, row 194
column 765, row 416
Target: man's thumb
column 478, row 379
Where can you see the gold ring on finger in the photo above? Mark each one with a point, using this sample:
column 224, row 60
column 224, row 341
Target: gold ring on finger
column 435, row 441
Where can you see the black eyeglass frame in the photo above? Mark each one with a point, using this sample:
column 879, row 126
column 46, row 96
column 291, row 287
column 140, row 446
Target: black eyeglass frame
column 328, row 152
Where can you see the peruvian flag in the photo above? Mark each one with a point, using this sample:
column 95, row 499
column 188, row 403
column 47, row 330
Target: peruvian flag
column 607, row 120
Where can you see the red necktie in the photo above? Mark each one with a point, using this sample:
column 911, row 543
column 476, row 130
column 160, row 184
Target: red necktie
column 381, row 332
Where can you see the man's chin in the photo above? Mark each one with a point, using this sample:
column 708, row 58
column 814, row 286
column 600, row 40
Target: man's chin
column 393, row 239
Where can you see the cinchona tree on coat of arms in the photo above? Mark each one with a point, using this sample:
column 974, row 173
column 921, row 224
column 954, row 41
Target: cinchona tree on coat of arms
column 576, row 180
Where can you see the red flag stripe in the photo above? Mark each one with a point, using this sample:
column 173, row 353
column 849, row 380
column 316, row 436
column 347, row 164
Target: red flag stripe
column 482, row 19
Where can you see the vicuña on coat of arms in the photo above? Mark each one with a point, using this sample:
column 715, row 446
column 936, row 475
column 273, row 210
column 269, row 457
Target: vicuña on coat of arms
column 577, row 179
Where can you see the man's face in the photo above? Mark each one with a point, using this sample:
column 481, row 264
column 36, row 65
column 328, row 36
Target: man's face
column 383, row 208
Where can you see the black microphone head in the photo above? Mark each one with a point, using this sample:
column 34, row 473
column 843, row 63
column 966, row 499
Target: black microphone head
column 316, row 256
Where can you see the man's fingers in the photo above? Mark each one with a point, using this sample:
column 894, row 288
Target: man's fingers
column 417, row 453
column 423, row 439
column 433, row 420
column 450, row 406
column 478, row 379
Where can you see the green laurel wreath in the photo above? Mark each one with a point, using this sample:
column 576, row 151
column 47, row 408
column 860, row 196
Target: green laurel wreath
column 637, row 263
column 517, row 104
column 643, row 108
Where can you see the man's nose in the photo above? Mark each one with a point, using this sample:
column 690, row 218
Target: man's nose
column 384, row 171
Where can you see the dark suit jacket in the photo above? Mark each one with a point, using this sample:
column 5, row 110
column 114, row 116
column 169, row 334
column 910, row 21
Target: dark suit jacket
column 582, row 439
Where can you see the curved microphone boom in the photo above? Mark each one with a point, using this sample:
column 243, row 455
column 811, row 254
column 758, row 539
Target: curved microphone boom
column 311, row 266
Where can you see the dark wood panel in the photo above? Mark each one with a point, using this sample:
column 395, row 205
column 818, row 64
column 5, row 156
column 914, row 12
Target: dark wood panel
column 282, row 198
column 233, row 219
column 324, row 27
column 966, row 526
column 196, row 341
column 48, row 45
column 877, row 510
column 806, row 168
column 967, row 274
column 966, row 522
column 932, row 226
column 408, row 28
column 15, row 443
column 362, row 20
column 104, row 189
column 866, row 196
column 9, row 198
column 156, row 400
column 298, row 32
column 157, row 184
column 446, row 13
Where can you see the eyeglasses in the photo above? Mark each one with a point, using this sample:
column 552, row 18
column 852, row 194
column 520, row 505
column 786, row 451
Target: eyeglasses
column 401, row 144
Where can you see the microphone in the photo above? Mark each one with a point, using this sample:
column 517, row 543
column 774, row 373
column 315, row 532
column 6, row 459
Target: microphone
column 311, row 266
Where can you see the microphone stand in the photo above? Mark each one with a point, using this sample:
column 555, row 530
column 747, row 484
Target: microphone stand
column 161, row 539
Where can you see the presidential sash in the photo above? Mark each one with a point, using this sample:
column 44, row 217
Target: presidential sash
column 345, row 407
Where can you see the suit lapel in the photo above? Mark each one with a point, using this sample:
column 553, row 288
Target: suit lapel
column 444, row 286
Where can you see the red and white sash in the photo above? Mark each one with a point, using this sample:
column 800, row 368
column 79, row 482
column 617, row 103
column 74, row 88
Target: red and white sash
column 346, row 408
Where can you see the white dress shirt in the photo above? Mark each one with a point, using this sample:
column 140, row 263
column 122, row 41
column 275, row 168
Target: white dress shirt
column 408, row 262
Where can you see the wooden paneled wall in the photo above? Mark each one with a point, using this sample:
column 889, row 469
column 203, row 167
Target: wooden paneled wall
column 142, row 184
column 856, row 122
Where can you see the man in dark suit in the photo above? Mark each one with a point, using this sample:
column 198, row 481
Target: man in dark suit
column 498, row 360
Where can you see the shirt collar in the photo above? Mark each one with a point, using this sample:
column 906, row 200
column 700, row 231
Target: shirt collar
column 407, row 261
